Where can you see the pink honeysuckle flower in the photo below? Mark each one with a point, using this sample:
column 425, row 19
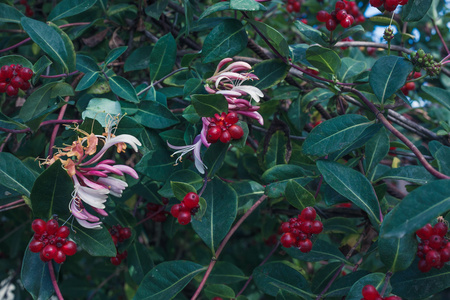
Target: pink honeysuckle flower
column 195, row 147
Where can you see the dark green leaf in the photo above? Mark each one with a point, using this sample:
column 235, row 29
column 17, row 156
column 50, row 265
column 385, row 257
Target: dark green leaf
column 157, row 164
column 274, row 36
column 51, row 192
column 275, row 153
column 340, row 225
column 102, row 110
column 96, row 242
column 181, row 189
column 68, row 8
column 350, row 32
column 225, row 40
column 9, row 14
column 440, row 95
column 163, row 57
column 220, row 213
column 376, row 149
column 219, row 290
column 123, row 88
column 324, row 59
column 298, row 196
column 39, row 67
column 350, row 68
column 219, row 6
column 214, row 157
column 156, row 9
column 323, row 276
column 70, row 49
column 416, row 174
column 186, row 176
column 167, row 279
column 389, row 74
column 139, row 261
column 269, row 72
column 87, row 81
column 115, row 54
column 15, row 59
column 208, row 105
column 152, row 114
column 342, row 286
column 415, row 10
column 193, row 86
column 139, row 59
column 321, row 250
column 375, row 279
column 86, row 64
column 15, row 175
column 317, row 95
column 248, row 191
column 334, row 134
column 246, row 5
column 418, row 208
column 442, row 155
column 226, row 273
column 352, row 185
column 311, row 34
column 240, row 143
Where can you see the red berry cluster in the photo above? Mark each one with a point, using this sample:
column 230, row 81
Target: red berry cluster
column 119, row 234
column 346, row 13
column 434, row 248
column 13, row 78
column 293, row 6
column 369, row 292
column 50, row 241
column 298, row 231
column 187, row 208
column 389, row 5
column 156, row 211
column 28, row 11
column 224, row 128
column 410, row 86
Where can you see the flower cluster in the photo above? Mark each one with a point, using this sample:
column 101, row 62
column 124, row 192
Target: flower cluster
column 92, row 176
column 228, row 82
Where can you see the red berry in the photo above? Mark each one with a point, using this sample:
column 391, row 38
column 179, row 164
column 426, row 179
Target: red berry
column 392, row 298
column 433, row 258
column 390, row 7
column 17, row 82
column 440, row 229
column 410, row 86
column 376, row 3
column 11, row 91
column 331, row 24
column 285, row 227
column 340, row 5
column 435, row 242
column 49, row 252
column 225, row 137
column 7, row 71
column 69, row 248
column 39, row 226
column 417, row 75
column 308, row 214
column 323, row 16
column 60, row 257
column 305, row 245
column 347, row 22
column 316, row 227
column 115, row 261
column 175, row 210
column 360, row 19
column 232, row 118
column 191, row 200
column 236, row 132
column 63, row 232
column 341, row 15
column 287, row 240
column 115, row 240
column 290, row 8
column 184, row 217
column 25, row 86
column 445, row 255
column 296, row 6
column 306, row 226
column 36, row 246
column 213, row 134
column 424, row 266
column 122, row 255
column 3, row 86
column 52, row 226
column 125, row 233
column 26, row 73
column 369, row 292
column 425, row 232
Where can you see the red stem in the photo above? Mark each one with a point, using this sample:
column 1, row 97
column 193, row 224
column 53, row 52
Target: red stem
column 12, row 203
column 49, row 122
column 440, row 37
column 54, row 282
column 224, row 242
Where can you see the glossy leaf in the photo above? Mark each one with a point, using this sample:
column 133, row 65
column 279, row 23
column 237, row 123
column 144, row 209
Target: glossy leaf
column 152, row 114
column 102, row 110
column 388, row 75
column 246, row 5
column 139, row 59
column 216, row 7
column 350, row 68
column 376, row 149
column 375, row 279
column 37, row 102
column 321, row 250
column 186, row 176
column 219, row 290
column 311, row 34
column 334, row 134
column 340, row 225
column 418, row 208
column 342, row 286
column 442, row 155
column 68, row 8
column 139, row 261
column 181, row 189
column 226, row 273
column 324, row 59
column 440, row 95
column 298, row 196
column 123, row 88
column 350, row 32
column 415, row 10
column 274, row 37
column 115, row 54
column 269, row 72
column 86, row 64
column 156, row 9
column 214, row 157
column 15, row 175
column 9, row 14
column 96, row 242
column 416, row 174
column 87, row 81
column 163, row 57
column 225, row 40
column 220, row 213
column 323, row 276
column 352, row 185
column 208, row 105
column 157, row 164
column 275, row 153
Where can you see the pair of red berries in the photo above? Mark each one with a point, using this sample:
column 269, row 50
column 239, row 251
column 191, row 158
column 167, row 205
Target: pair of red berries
column 187, row 208
column 298, row 231
column 389, row 5
column 369, row 292
column 13, row 78
column 293, row 6
column 50, row 241
column 119, row 234
column 156, row 211
column 410, row 86
column 346, row 13
column 223, row 127
column 434, row 248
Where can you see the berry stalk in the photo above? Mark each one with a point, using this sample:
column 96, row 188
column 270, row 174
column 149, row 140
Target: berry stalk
column 54, row 282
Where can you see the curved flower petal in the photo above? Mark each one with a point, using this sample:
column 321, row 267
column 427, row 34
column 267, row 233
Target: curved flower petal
column 127, row 170
column 253, row 91
column 115, row 186
column 94, row 198
column 89, row 225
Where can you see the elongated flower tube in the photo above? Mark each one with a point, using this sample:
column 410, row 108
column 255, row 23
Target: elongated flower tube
column 195, row 147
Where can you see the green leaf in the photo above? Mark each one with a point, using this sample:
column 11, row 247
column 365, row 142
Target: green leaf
column 35, row 275
column 271, row 277
column 321, row 250
column 68, row 8
column 226, row 273
column 36, row 120
column 156, row 9
column 334, row 134
column 8, row 123
column 298, row 196
column 219, row 290
column 248, row 191
column 181, row 189
column 350, row 32
column 216, row 7
column 167, row 279
column 9, row 14
column 376, row 149
column 186, row 176
column 157, row 164
column 415, row 10
column 340, row 225
column 270, row 72
column 87, row 81
column 123, row 88
column 114, row 54
column 152, row 114
column 310, row 34
column 382, row 20
column 375, row 279
column 193, row 86
column 413, row 284
column 442, row 155
column 51, row 192
column 389, row 74
column 139, row 59
column 96, row 242
column 208, row 105
column 350, row 68
column 48, row 39
column 440, row 95
column 220, row 213
column 323, row 276
column 163, row 57
column 317, row 95
column 246, row 5
column 276, row 151
column 225, row 40
column 342, row 286
column 15, row 59
column 139, row 261
column 39, row 67
column 15, row 175
column 416, row 174
column 418, row 208
column 86, row 64
column 352, row 185
column 324, row 59
column 102, row 110
column 274, row 36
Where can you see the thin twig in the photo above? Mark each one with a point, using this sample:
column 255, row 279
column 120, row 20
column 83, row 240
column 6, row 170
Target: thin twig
column 440, row 36
column 54, row 282
column 386, row 282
